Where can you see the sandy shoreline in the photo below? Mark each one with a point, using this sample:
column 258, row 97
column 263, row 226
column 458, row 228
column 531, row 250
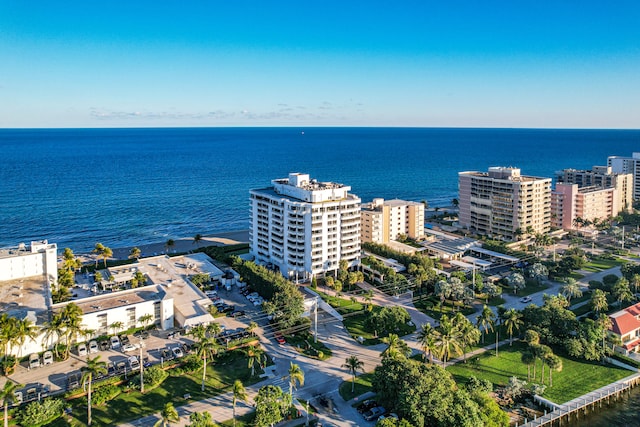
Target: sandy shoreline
column 183, row 244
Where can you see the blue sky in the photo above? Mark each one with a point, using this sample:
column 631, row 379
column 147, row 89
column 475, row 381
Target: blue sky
column 566, row 64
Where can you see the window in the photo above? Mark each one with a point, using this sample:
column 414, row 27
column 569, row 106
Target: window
column 131, row 317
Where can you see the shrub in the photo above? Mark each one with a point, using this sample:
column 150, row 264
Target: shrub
column 39, row 413
column 190, row 364
column 104, row 394
column 153, row 376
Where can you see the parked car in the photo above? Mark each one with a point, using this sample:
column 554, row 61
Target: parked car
column 141, row 334
column 177, row 352
column 280, row 339
column 18, row 400
column 115, row 342
column 236, row 313
column 93, row 346
column 166, row 354
column 82, row 349
column 104, row 345
column 47, row 358
column 367, row 405
column 129, row 347
column 124, row 339
column 525, row 299
column 134, row 364
column 228, row 309
column 121, row 366
column 34, row 360
column 374, row 413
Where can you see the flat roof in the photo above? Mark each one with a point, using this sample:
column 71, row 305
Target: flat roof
column 20, row 297
column 117, row 299
column 495, row 254
column 452, row 247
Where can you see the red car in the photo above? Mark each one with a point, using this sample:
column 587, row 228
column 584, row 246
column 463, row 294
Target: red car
column 280, row 339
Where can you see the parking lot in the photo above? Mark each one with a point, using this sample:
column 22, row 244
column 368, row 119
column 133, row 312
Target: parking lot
column 46, row 376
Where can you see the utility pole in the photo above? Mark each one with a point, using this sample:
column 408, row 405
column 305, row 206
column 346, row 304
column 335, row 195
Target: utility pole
column 141, row 367
column 623, row 237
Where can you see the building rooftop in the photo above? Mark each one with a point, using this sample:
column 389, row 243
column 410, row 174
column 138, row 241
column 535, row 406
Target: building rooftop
column 20, row 297
column 623, row 322
column 120, row 299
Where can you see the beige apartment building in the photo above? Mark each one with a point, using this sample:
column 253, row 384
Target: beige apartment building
column 602, row 177
column 384, row 220
column 304, row 227
column 501, row 201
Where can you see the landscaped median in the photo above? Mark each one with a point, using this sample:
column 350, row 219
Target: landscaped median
column 369, row 321
column 575, row 379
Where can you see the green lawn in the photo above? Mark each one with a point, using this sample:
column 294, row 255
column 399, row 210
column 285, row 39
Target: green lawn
column 355, row 318
column 132, row 405
column 531, row 288
column 362, row 385
column 575, row 379
column 602, row 264
column 431, row 307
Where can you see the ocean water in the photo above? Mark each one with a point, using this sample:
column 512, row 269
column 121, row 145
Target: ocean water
column 127, row 187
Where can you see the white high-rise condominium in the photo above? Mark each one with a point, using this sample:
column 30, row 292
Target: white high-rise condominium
column 305, row 227
column 620, row 164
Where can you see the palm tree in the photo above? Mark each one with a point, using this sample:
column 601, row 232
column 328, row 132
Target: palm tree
column 368, row 297
column 599, row 301
column 170, row 244
column 207, row 347
column 53, row 331
column 103, row 252
column 135, row 253
column 296, row 375
column 95, row 367
column 555, row 364
column 213, row 329
column 528, row 358
column 168, row 415
column 396, row 347
column 24, row 329
column 239, row 393
column 255, row 355
column 145, row 320
column 469, row 334
column 571, row 289
column 197, row 239
column 427, row 339
column 8, row 395
column 635, row 281
column 72, row 317
column 353, row 365
column 485, row 321
column 116, row 327
column 252, row 327
column 71, row 263
column 512, row 319
column 448, row 340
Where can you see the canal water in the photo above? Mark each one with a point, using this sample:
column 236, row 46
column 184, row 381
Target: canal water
column 623, row 413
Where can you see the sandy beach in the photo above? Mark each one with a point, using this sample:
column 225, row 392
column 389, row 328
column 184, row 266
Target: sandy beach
column 184, row 244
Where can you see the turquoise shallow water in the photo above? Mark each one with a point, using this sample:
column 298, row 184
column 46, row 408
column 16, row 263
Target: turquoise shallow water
column 132, row 186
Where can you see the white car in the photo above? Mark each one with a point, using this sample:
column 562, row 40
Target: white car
column 82, row 349
column 134, row 364
column 47, row 358
column 34, row 361
column 93, row 346
column 525, row 299
column 115, row 342
column 129, row 347
column 177, row 352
